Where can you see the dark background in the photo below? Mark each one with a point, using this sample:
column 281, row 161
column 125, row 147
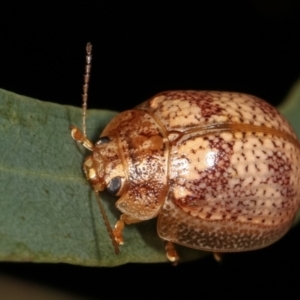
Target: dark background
column 140, row 49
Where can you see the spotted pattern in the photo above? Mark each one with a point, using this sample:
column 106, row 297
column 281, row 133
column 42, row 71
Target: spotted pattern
column 236, row 188
column 221, row 170
column 227, row 177
column 219, row 235
column 181, row 110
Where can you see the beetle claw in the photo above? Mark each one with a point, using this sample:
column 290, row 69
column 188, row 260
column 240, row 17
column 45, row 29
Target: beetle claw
column 118, row 238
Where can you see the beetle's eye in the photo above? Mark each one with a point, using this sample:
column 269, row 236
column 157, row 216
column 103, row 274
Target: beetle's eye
column 103, row 140
column 114, row 185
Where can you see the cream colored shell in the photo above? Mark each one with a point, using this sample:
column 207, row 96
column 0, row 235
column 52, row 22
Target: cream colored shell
column 221, row 170
column 234, row 172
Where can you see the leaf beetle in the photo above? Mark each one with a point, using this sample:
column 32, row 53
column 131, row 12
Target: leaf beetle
column 220, row 170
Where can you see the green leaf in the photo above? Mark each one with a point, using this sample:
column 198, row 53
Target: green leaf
column 48, row 212
column 290, row 108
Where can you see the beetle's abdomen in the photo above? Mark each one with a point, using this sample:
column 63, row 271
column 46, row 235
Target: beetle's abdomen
column 234, row 170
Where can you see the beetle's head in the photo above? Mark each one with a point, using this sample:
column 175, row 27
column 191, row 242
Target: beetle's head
column 104, row 168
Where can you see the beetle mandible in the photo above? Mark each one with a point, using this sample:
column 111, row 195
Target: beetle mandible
column 220, row 170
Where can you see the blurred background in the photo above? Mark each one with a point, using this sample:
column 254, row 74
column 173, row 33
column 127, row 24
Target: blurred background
column 140, row 49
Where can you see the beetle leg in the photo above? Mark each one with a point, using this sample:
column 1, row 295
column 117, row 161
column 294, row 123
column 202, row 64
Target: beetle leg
column 171, row 253
column 118, row 231
column 129, row 220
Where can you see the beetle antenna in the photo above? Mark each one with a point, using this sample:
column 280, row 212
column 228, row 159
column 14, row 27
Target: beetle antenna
column 107, row 225
column 86, row 80
column 84, row 108
column 76, row 134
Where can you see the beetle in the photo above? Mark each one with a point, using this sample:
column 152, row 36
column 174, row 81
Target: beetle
column 220, row 170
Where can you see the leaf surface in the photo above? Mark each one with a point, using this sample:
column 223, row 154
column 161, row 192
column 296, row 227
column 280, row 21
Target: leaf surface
column 290, row 108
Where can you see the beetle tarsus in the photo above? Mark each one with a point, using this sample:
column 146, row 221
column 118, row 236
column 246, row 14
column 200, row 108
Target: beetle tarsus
column 171, row 253
column 118, row 232
column 119, row 227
